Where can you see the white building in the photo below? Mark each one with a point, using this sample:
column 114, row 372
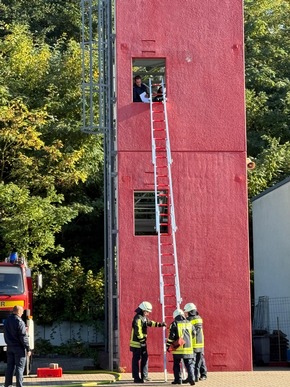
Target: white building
column 271, row 236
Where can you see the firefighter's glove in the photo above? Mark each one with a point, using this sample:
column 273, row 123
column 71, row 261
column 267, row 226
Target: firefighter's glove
column 168, row 348
column 163, row 324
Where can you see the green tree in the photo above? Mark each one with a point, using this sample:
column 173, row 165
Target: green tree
column 43, row 151
column 29, row 223
column 267, row 47
column 70, row 293
column 273, row 165
column 46, row 19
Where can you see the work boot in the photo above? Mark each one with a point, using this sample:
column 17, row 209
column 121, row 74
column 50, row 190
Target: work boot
column 138, row 380
column 147, row 379
column 204, row 377
column 176, row 382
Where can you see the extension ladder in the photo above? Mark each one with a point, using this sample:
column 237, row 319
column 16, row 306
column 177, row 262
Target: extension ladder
column 170, row 298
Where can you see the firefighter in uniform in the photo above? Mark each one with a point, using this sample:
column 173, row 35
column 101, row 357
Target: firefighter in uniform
column 192, row 315
column 181, row 328
column 138, row 345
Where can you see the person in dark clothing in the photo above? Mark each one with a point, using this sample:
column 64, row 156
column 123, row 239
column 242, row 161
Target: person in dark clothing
column 140, row 90
column 17, row 346
column 159, row 96
column 138, row 341
column 181, row 328
column 193, row 316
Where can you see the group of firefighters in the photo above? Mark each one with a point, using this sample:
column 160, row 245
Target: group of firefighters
column 185, row 341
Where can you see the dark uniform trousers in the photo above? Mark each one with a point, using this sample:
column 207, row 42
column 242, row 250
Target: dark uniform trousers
column 189, row 365
column 139, row 354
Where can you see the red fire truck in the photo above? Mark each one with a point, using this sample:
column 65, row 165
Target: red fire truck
column 15, row 289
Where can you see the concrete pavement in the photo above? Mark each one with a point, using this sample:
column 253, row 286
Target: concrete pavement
column 260, row 377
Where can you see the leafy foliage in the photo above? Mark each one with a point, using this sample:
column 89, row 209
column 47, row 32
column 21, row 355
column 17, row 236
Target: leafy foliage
column 273, row 166
column 267, row 41
column 47, row 19
column 51, row 174
column 29, row 223
column 69, row 293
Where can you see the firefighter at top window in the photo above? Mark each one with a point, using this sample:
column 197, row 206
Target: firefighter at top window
column 181, row 329
column 138, row 345
column 140, row 90
column 192, row 315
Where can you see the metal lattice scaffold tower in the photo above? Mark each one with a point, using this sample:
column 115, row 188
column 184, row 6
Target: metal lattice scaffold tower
column 98, row 98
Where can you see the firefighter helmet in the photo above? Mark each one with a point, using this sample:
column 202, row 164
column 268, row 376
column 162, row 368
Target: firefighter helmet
column 189, row 307
column 146, row 306
column 178, row 312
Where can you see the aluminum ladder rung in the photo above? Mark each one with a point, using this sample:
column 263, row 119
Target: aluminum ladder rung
column 165, row 221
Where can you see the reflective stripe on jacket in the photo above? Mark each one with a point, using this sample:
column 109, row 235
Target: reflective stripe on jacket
column 181, row 328
column 198, row 340
column 139, row 330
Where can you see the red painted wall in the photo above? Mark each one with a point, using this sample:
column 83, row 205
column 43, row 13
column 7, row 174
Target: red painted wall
column 202, row 43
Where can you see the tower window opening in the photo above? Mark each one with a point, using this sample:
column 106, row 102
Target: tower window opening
column 145, row 213
column 144, row 69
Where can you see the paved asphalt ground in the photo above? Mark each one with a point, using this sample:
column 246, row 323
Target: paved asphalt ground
column 260, row 377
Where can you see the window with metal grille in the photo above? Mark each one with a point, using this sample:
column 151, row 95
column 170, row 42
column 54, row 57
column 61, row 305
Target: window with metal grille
column 144, row 213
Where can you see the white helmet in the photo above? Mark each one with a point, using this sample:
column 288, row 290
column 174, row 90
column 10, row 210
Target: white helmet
column 189, row 307
column 146, row 306
column 178, row 312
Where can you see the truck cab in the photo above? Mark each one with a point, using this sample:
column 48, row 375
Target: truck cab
column 15, row 289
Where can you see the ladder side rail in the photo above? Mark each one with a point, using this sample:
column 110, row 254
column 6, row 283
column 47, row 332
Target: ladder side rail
column 162, row 299
column 174, row 229
column 151, row 120
column 172, row 211
column 173, row 222
column 177, row 284
column 169, row 158
column 157, row 212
